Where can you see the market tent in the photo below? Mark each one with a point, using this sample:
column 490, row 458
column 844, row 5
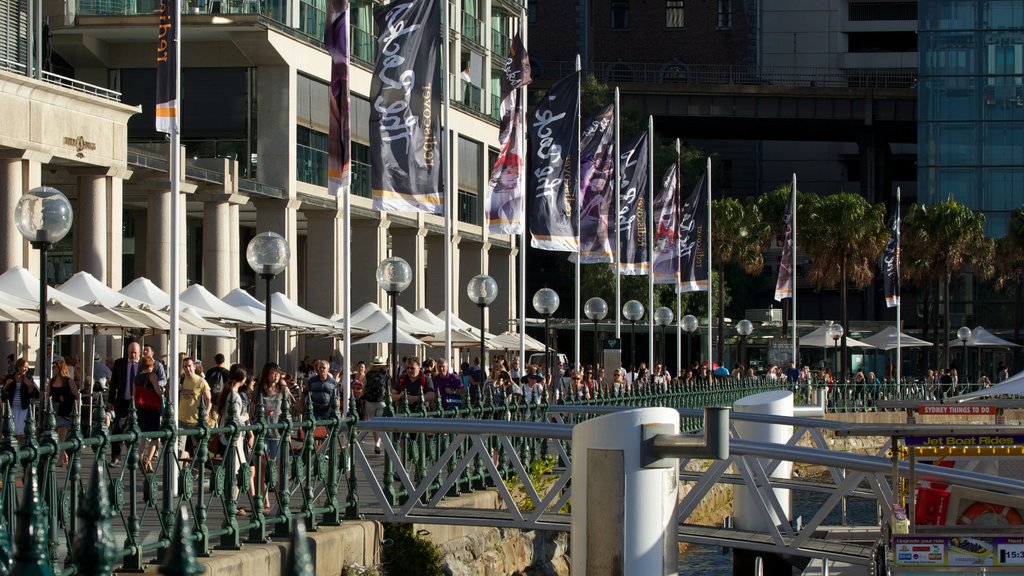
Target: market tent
column 193, row 324
column 365, row 311
column 413, row 324
column 886, row 340
column 510, row 341
column 1012, row 386
column 460, row 324
column 242, row 300
column 430, row 318
column 86, row 287
column 311, row 321
column 460, row 339
column 384, row 335
column 209, row 306
column 18, row 282
column 819, row 338
column 982, row 338
column 143, row 290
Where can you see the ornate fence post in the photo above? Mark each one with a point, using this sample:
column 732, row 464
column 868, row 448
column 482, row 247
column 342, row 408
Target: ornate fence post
column 258, row 532
column 352, row 500
column 284, row 454
column 49, row 441
column 232, row 540
column 95, row 550
column 8, row 465
column 70, row 500
column 305, row 470
column 202, row 456
column 333, row 515
column 133, row 540
column 32, row 557
column 180, row 558
column 170, row 467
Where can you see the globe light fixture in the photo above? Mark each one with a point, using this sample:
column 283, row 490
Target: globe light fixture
column 545, row 302
column 393, row 276
column 595, row 310
column 43, row 216
column 268, row 254
column 744, row 328
column 835, row 332
column 663, row 317
column 632, row 311
column 689, row 325
column 964, row 334
column 482, row 290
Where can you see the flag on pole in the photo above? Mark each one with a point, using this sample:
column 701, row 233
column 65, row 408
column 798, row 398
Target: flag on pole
column 694, row 268
column 339, row 145
column 554, row 181
column 666, row 233
column 632, row 230
column 166, row 64
column 597, row 179
column 506, row 186
column 405, row 108
column 891, row 261
column 784, row 283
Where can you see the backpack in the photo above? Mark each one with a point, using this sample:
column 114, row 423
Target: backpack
column 376, row 382
column 215, row 379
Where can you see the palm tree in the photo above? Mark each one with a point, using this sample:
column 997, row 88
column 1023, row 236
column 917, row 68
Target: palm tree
column 844, row 238
column 736, row 237
column 917, row 258
column 947, row 238
column 1010, row 271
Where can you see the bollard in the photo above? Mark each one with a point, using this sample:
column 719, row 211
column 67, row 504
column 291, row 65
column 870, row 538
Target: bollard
column 94, row 547
column 180, row 557
column 31, row 557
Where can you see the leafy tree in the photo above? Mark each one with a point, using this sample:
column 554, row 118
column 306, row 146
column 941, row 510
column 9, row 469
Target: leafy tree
column 736, row 237
column 947, row 239
column 1009, row 261
column 844, row 237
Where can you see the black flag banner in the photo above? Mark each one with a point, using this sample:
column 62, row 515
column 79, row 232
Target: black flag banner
column 597, row 179
column 666, row 210
column 405, row 108
column 507, row 184
column 784, row 283
column 632, row 230
column 694, row 271
column 554, row 181
column 891, row 264
column 166, row 64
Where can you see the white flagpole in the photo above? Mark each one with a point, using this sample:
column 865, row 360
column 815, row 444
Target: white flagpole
column 899, row 306
column 579, row 203
column 521, row 99
column 679, row 295
column 446, row 176
column 346, row 268
column 792, row 276
column 711, row 340
column 650, row 249
column 618, row 220
column 174, row 167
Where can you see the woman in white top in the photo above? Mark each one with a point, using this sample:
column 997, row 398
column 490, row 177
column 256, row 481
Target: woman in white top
column 230, row 401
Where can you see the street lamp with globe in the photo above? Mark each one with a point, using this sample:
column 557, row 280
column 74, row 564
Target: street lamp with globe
column 964, row 334
column 268, row 254
column 595, row 310
column 663, row 317
column 744, row 328
column 545, row 302
column 393, row 276
column 632, row 311
column 835, row 332
column 482, row 290
column 43, row 216
column 689, row 325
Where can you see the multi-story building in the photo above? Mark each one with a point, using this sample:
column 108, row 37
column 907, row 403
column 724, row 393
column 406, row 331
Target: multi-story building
column 254, row 138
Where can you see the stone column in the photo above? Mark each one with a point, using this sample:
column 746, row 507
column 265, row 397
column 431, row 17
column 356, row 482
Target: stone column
column 369, row 247
column 408, row 243
column 217, row 261
column 323, row 276
column 235, row 253
column 435, row 286
column 114, row 233
column 19, row 172
column 91, row 222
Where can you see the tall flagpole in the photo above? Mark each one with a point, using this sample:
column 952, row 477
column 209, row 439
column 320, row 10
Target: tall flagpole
column 579, row 203
column 899, row 304
column 521, row 133
column 618, row 220
column 792, row 276
column 446, row 175
column 679, row 294
column 650, row 247
column 346, row 262
column 711, row 339
column 174, row 167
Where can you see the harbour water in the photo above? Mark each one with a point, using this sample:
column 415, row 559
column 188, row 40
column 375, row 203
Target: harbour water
column 710, row 561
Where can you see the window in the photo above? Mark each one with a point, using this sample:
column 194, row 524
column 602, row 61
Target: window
column 724, row 14
column 311, row 116
column 620, row 14
column 531, row 11
column 673, row 13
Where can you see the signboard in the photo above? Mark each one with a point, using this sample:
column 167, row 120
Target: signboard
column 958, row 551
column 966, row 440
column 957, row 410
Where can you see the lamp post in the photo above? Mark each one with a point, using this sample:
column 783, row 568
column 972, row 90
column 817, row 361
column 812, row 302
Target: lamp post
column 545, row 302
column 835, row 332
column 964, row 334
column 595, row 309
column 689, row 325
column 632, row 311
column 482, row 290
column 43, row 216
column 663, row 317
column 744, row 328
column 393, row 276
column 268, row 254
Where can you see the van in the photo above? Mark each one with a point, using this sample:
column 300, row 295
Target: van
column 538, row 359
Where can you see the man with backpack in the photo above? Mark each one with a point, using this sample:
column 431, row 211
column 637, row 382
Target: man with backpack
column 217, row 376
column 416, row 385
column 377, row 384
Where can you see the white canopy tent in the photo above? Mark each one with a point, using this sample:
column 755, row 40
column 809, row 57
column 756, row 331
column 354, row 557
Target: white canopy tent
column 20, row 283
column 819, row 338
column 887, row 340
column 414, row 324
column 460, row 339
column 384, row 335
column 312, row 322
column 242, row 300
column 193, row 324
column 1012, row 386
column 86, row 287
column 982, row 338
column 430, row 318
column 510, row 341
column 209, row 306
column 365, row 311
column 143, row 290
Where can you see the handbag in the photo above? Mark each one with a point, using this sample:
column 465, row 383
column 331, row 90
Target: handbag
column 147, row 399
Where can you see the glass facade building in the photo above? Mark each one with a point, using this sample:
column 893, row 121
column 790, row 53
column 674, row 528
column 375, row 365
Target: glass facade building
column 971, row 106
